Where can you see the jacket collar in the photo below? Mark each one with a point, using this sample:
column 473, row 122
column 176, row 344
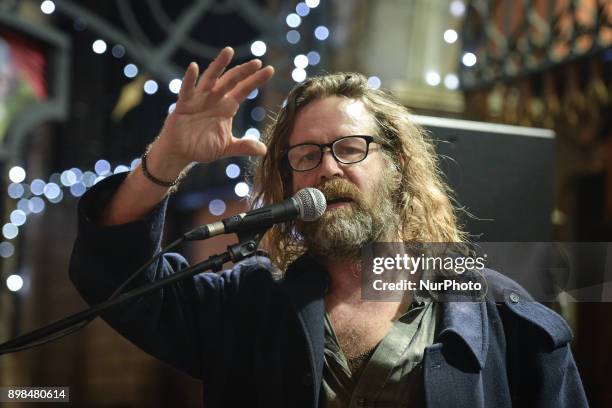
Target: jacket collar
column 468, row 322
column 305, row 283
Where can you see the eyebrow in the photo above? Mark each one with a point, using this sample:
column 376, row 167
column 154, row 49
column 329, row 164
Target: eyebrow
column 336, row 138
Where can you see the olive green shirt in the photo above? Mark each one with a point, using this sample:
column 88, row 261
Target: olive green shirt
column 393, row 376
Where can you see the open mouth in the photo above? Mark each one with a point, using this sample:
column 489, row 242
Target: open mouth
column 336, row 202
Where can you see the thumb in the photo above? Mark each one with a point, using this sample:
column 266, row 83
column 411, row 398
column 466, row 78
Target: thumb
column 246, row 147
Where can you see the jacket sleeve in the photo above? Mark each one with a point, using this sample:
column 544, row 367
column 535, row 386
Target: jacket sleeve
column 177, row 323
column 542, row 370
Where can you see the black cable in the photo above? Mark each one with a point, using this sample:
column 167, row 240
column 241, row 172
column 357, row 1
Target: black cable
column 114, row 295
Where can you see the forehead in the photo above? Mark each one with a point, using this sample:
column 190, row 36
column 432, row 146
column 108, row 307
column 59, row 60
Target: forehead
column 326, row 119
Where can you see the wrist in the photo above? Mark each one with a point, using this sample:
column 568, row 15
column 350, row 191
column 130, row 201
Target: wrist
column 161, row 168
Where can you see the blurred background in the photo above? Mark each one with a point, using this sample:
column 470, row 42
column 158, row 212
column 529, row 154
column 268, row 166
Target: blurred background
column 86, row 85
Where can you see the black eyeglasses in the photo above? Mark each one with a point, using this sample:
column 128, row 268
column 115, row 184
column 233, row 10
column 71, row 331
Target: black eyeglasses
column 345, row 150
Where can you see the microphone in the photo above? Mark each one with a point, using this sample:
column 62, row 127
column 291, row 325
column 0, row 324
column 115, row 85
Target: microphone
column 308, row 204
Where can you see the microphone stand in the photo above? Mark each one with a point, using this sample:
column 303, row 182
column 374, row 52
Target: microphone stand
column 246, row 247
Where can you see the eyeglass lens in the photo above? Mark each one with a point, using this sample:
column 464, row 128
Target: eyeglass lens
column 346, row 150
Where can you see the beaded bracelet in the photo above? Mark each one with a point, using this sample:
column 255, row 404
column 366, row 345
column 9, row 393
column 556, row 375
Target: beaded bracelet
column 145, row 170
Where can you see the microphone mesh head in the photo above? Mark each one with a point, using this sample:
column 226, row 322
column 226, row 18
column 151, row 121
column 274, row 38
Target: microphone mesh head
column 311, row 202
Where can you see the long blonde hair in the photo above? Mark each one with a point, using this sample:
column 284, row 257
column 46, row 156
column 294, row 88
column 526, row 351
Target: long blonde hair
column 424, row 200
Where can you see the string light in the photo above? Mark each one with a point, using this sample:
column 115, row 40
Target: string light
column 52, row 191
column 10, row 231
column 293, row 36
column 253, row 94
column 469, row 59
column 457, row 8
column 121, row 169
column 258, row 114
column 118, row 51
column 37, row 186
column 15, row 190
column 451, row 81
column 18, row 217
column 24, row 205
column 432, row 78
column 6, row 249
column 293, row 20
column 298, row 74
column 241, row 189
column 102, row 167
column 302, row 9
column 17, row 174
column 130, row 70
column 258, row 48
column 374, row 82
column 47, row 7
column 313, row 57
column 450, row 36
column 14, row 283
column 99, row 46
column 252, row 133
column 232, row 170
column 321, row 33
column 150, row 86
column 300, row 61
column 216, row 207
column 78, row 189
column 30, row 197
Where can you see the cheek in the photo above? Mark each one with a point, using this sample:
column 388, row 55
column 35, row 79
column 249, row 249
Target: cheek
column 299, row 181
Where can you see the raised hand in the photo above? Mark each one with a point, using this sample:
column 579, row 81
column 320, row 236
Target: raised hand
column 200, row 127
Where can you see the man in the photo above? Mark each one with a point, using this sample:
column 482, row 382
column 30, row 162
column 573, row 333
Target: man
column 308, row 338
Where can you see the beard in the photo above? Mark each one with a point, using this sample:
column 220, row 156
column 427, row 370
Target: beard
column 342, row 232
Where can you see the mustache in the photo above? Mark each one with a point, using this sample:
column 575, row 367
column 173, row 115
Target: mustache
column 339, row 189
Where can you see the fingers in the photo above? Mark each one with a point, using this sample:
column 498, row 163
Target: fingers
column 189, row 80
column 232, row 77
column 215, row 69
column 245, row 87
column 246, row 147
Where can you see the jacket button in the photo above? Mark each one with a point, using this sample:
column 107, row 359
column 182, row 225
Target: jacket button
column 514, row 298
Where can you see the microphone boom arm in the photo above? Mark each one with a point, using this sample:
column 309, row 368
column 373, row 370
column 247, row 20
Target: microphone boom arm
column 246, row 247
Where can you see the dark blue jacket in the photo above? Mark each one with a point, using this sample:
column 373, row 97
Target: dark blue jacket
column 258, row 341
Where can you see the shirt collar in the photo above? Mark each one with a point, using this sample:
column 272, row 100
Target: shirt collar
column 461, row 320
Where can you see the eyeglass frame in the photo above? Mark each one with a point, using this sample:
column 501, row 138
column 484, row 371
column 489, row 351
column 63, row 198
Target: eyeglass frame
column 368, row 139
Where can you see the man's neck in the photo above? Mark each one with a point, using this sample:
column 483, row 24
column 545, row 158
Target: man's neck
column 345, row 289
column 344, row 282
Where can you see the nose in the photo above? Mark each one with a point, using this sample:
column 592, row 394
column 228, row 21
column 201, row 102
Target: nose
column 329, row 167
